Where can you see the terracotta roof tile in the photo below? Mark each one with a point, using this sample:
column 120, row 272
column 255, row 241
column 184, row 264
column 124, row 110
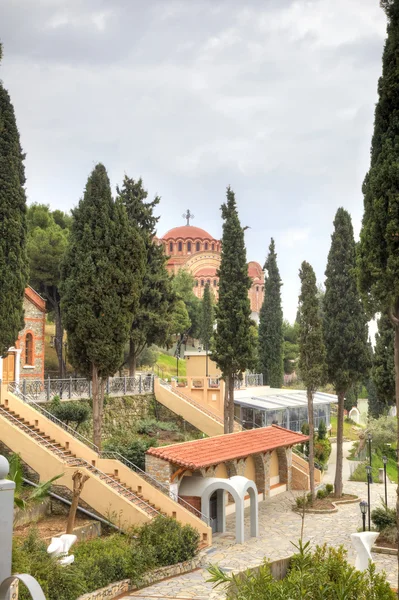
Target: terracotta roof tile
column 211, row 451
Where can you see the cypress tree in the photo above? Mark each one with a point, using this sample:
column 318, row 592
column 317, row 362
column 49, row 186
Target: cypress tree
column 271, row 338
column 345, row 324
column 100, row 288
column 207, row 321
column 151, row 323
column 233, row 340
column 379, row 237
column 383, row 372
column 13, row 260
column 312, row 352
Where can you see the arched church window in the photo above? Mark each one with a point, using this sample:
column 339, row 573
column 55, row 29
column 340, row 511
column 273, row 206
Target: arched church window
column 208, row 281
column 257, row 288
column 263, row 288
column 180, row 246
column 196, row 283
column 29, row 349
column 206, row 245
column 215, row 283
column 213, row 247
column 188, row 246
column 202, row 282
column 170, row 246
column 197, row 246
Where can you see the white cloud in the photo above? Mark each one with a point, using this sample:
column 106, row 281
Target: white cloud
column 290, row 238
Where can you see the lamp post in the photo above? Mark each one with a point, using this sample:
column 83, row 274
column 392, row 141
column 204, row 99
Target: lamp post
column 369, row 438
column 369, row 481
column 385, row 460
column 363, row 509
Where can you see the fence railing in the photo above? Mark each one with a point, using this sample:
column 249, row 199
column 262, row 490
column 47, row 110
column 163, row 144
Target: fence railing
column 44, row 391
column 249, row 380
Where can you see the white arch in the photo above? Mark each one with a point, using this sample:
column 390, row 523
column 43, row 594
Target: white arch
column 238, row 487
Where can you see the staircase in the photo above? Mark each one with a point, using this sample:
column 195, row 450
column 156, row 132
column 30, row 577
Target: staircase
column 193, row 412
column 50, row 447
column 300, row 473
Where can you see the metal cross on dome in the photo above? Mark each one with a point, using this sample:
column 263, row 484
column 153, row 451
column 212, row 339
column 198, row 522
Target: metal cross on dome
column 188, row 215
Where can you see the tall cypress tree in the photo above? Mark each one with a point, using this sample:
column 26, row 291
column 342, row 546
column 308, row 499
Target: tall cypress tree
column 383, row 372
column 233, row 340
column 151, row 323
column 271, row 338
column 207, row 321
column 379, row 237
column 13, row 260
column 312, row 352
column 101, row 284
column 345, row 324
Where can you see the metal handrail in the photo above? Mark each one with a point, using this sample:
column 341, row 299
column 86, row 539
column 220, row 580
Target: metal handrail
column 160, row 486
column 193, row 403
column 72, row 460
column 14, row 388
column 242, row 423
column 306, row 458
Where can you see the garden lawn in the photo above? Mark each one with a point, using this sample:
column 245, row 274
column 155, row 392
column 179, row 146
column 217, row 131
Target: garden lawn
column 349, row 432
column 360, row 473
column 168, row 365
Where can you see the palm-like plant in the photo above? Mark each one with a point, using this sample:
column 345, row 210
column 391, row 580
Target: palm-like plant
column 16, row 475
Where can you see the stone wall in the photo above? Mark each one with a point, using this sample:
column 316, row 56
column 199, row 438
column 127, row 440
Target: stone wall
column 158, row 468
column 34, row 319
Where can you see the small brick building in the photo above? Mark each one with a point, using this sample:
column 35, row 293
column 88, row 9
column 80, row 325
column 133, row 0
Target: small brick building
column 262, row 457
column 26, row 358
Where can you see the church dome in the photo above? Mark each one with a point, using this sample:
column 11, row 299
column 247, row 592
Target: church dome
column 187, row 232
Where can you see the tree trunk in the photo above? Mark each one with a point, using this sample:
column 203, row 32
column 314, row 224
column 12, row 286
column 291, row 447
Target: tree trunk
column 132, row 359
column 78, row 482
column 311, row 443
column 96, row 407
column 340, row 439
column 231, row 404
column 226, row 404
column 396, row 325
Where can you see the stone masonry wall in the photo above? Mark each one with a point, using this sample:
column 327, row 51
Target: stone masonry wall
column 34, row 323
column 158, row 468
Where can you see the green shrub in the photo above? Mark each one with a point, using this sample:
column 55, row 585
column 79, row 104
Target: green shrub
column 383, row 517
column 323, row 574
column 329, row 488
column 70, row 412
column 171, row 541
column 322, row 451
column 321, row 494
column 152, row 426
column 132, row 449
column 322, row 431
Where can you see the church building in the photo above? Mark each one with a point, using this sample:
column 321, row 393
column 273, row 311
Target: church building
column 194, row 249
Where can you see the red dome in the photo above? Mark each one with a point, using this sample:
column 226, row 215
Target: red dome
column 255, row 270
column 187, row 231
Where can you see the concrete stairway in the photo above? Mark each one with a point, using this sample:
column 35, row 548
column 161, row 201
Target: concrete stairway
column 193, row 412
column 49, row 447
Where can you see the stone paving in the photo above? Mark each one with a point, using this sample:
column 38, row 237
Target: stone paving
column 279, row 526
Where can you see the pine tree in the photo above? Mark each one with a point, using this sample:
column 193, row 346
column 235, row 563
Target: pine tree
column 207, row 321
column 271, row 339
column 379, row 237
column 233, row 349
column 312, row 352
column 152, row 323
column 383, row 372
column 345, row 324
column 13, row 260
column 101, row 284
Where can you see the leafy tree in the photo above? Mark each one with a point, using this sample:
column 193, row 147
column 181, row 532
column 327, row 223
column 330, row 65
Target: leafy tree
column 233, row 349
column 379, row 236
column 271, row 342
column 46, row 246
column 180, row 321
column 291, row 348
column 383, row 371
column 183, row 284
column 151, row 323
column 16, row 474
column 207, row 320
column 101, row 284
column 13, row 263
column 312, row 353
column 345, row 324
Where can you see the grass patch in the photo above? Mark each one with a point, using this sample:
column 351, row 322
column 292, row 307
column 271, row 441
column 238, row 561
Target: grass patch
column 349, row 432
column 360, row 473
column 168, row 365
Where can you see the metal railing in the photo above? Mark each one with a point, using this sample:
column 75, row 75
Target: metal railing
column 101, row 454
column 248, row 380
column 306, row 458
column 244, row 424
column 80, row 388
column 197, row 405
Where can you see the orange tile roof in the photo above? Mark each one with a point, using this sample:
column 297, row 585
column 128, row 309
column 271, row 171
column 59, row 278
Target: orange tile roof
column 214, row 450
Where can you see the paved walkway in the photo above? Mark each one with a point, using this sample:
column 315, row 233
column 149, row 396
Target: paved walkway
column 279, row 526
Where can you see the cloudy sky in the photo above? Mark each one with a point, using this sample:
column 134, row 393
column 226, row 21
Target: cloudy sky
column 272, row 97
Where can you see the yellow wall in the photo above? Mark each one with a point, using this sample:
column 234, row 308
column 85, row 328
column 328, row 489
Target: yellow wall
column 221, row 471
column 196, row 366
column 249, row 472
column 274, row 464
